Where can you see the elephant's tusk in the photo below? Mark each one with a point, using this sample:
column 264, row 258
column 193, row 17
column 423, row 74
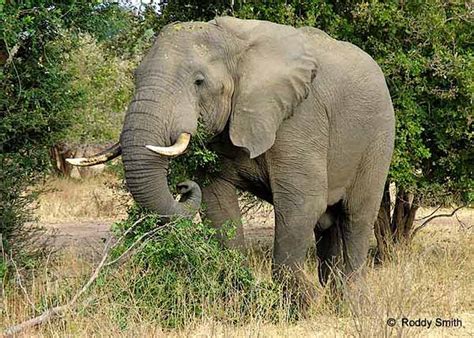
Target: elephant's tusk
column 176, row 149
column 102, row 157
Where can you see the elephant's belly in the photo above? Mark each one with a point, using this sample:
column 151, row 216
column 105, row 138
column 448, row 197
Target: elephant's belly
column 256, row 186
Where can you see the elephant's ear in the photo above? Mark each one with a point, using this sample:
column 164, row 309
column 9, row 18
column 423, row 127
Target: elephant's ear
column 275, row 71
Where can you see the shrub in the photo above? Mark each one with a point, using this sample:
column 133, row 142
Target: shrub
column 35, row 96
column 182, row 274
column 41, row 94
column 199, row 163
column 103, row 82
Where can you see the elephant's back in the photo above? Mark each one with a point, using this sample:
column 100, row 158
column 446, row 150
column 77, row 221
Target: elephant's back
column 315, row 32
column 348, row 80
column 342, row 54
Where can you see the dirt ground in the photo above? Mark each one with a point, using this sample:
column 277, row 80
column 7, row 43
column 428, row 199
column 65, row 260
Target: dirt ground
column 88, row 235
column 80, row 212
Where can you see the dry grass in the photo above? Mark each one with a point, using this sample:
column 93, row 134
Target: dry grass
column 430, row 280
column 92, row 198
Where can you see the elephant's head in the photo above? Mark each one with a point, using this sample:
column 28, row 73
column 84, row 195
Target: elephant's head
column 246, row 74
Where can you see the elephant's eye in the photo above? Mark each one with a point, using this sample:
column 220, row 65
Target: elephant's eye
column 199, row 80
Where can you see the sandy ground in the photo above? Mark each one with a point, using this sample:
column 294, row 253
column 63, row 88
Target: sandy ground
column 85, row 236
column 88, row 235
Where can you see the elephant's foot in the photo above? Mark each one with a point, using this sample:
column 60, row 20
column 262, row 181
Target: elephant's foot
column 298, row 290
column 333, row 277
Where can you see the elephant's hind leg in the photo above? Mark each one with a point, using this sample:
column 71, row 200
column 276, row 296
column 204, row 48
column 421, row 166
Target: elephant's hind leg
column 328, row 236
column 342, row 236
column 362, row 203
column 342, row 247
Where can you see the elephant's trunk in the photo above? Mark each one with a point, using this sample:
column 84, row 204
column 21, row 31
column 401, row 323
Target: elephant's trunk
column 146, row 172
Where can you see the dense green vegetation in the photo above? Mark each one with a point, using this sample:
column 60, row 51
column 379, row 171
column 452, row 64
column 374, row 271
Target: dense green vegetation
column 60, row 81
column 35, row 98
column 181, row 274
column 66, row 76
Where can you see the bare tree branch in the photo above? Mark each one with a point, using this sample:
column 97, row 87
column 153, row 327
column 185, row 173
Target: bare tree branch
column 130, row 250
column 11, row 52
column 20, row 283
column 59, row 310
column 431, row 214
column 425, row 223
column 462, row 224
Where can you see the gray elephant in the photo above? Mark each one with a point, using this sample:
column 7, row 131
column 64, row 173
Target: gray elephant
column 298, row 118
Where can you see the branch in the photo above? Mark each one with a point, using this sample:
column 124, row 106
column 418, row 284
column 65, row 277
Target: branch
column 425, row 223
column 11, row 52
column 11, row 55
column 130, row 250
column 20, row 283
column 461, row 223
column 431, row 214
column 59, row 310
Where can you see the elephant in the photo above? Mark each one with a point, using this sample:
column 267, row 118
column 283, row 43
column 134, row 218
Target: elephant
column 298, row 118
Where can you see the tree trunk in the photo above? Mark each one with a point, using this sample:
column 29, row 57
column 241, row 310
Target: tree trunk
column 406, row 206
column 58, row 154
column 397, row 228
column 382, row 229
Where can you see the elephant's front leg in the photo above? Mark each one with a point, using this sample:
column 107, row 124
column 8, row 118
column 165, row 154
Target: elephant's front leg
column 221, row 208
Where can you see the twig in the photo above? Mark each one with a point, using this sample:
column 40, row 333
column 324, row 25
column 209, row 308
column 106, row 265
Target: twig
column 2, row 250
column 20, row 283
column 431, row 214
column 130, row 250
column 425, row 223
column 59, row 310
column 129, row 230
column 461, row 223
column 12, row 52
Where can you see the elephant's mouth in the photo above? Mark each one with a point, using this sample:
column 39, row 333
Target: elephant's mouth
column 178, row 148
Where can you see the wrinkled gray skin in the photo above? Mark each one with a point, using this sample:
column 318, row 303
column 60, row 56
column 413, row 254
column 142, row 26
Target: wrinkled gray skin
column 300, row 119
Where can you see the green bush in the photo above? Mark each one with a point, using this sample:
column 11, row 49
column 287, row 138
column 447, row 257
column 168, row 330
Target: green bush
column 199, row 163
column 34, row 98
column 104, row 83
column 182, row 273
column 46, row 97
